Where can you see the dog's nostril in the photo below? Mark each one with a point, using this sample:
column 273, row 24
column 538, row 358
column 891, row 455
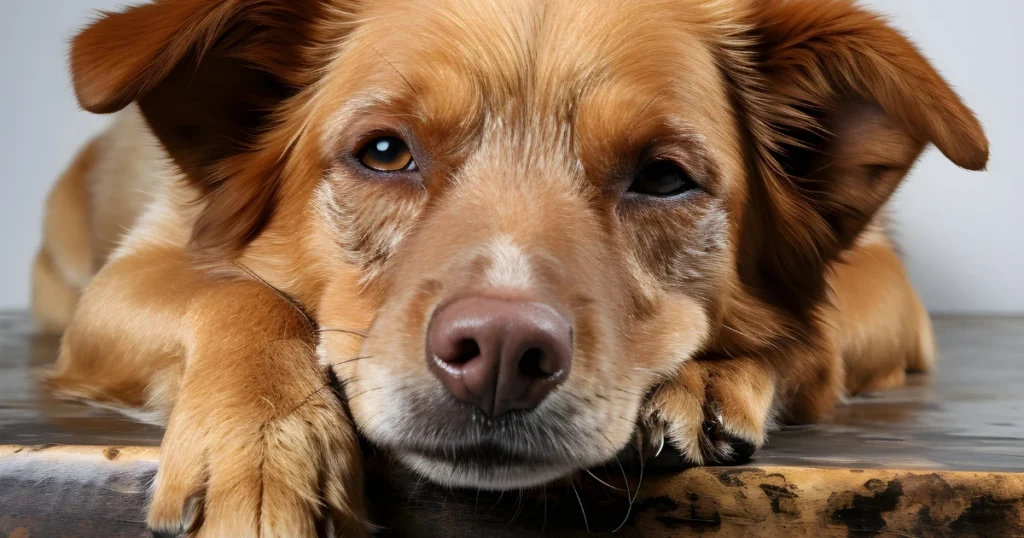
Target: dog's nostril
column 499, row 354
column 465, row 351
column 530, row 364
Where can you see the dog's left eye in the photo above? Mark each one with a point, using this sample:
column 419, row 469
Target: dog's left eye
column 662, row 179
column 387, row 154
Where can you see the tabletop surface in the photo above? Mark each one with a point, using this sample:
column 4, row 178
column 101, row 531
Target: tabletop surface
column 968, row 416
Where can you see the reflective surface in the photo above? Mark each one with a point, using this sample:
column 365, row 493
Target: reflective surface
column 968, row 416
column 31, row 415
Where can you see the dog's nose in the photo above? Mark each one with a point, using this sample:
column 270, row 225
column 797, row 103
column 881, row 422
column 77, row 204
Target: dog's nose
column 499, row 355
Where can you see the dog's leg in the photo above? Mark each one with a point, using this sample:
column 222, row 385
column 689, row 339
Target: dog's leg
column 257, row 444
column 883, row 328
column 65, row 262
column 720, row 410
column 53, row 298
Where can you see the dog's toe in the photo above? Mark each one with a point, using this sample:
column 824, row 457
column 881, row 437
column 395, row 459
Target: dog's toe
column 712, row 413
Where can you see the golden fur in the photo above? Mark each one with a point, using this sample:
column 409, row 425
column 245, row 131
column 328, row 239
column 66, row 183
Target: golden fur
column 253, row 250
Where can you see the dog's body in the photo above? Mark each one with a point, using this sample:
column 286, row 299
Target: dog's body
column 206, row 281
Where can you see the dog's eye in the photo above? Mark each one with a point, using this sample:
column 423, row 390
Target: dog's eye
column 662, row 179
column 387, row 154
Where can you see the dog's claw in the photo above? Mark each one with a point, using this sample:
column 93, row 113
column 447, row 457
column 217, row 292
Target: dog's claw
column 652, row 438
column 661, row 445
column 735, row 451
column 710, row 437
column 192, row 514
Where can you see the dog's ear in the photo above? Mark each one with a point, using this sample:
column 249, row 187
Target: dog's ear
column 840, row 106
column 208, row 76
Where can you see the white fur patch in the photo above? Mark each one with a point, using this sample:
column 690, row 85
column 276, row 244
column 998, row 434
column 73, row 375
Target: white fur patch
column 510, row 267
column 321, row 354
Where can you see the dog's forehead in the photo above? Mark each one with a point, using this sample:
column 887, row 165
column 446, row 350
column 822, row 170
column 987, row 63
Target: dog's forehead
column 544, row 54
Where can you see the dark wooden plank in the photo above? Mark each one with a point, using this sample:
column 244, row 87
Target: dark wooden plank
column 943, row 457
column 77, row 493
column 88, row 492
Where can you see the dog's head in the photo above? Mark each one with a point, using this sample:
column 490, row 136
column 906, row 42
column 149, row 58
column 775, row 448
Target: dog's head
column 512, row 219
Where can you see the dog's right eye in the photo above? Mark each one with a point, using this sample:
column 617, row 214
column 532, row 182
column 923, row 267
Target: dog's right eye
column 662, row 179
column 387, row 154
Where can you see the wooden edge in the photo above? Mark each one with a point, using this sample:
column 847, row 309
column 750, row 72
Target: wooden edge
column 84, row 453
column 776, row 501
column 771, row 501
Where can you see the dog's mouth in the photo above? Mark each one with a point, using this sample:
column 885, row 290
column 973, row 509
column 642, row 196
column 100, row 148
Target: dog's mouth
column 462, row 448
column 492, row 454
column 483, row 467
column 485, row 454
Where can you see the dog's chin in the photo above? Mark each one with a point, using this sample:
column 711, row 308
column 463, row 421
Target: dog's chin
column 453, row 444
column 487, row 476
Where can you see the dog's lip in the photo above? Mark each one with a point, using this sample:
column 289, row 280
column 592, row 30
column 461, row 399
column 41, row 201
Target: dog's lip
column 484, row 454
column 489, row 476
column 482, row 441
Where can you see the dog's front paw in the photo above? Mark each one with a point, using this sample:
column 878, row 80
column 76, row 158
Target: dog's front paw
column 224, row 474
column 713, row 412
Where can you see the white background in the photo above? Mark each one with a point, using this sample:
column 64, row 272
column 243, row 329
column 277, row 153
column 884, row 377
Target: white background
column 960, row 231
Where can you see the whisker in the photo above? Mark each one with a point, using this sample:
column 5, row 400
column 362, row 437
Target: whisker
column 582, row 510
column 416, row 490
column 629, row 511
column 346, row 381
column 641, row 479
column 374, row 417
column 519, row 508
column 343, row 331
column 602, row 482
column 367, row 391
column 287, row 298
column 653, row 99
column 501, row 495
column 748, row 336
column 610, row 443
column 382, row 57
column 544, row 522
column 354, row 359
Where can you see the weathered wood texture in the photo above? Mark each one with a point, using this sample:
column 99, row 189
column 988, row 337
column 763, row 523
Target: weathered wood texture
column 944, row 457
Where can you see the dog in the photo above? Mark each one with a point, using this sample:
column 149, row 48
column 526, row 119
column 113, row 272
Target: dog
column 520, row 234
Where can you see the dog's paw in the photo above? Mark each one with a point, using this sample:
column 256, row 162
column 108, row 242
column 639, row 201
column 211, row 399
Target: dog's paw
column 713, row 412
column 298, row 475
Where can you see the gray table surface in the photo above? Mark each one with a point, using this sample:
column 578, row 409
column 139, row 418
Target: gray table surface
column 968, row 416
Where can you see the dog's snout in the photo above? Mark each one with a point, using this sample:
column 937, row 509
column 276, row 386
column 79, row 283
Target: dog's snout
column 499, row 355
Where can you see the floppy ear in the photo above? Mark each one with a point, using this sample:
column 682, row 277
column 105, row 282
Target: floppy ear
column 840, row 106
column 208, row 76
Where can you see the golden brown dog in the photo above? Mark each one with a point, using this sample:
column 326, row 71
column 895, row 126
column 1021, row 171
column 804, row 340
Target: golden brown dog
column 520, row 233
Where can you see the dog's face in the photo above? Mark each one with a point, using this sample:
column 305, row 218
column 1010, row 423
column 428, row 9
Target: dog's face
column 579, row 158
column 513, row 219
